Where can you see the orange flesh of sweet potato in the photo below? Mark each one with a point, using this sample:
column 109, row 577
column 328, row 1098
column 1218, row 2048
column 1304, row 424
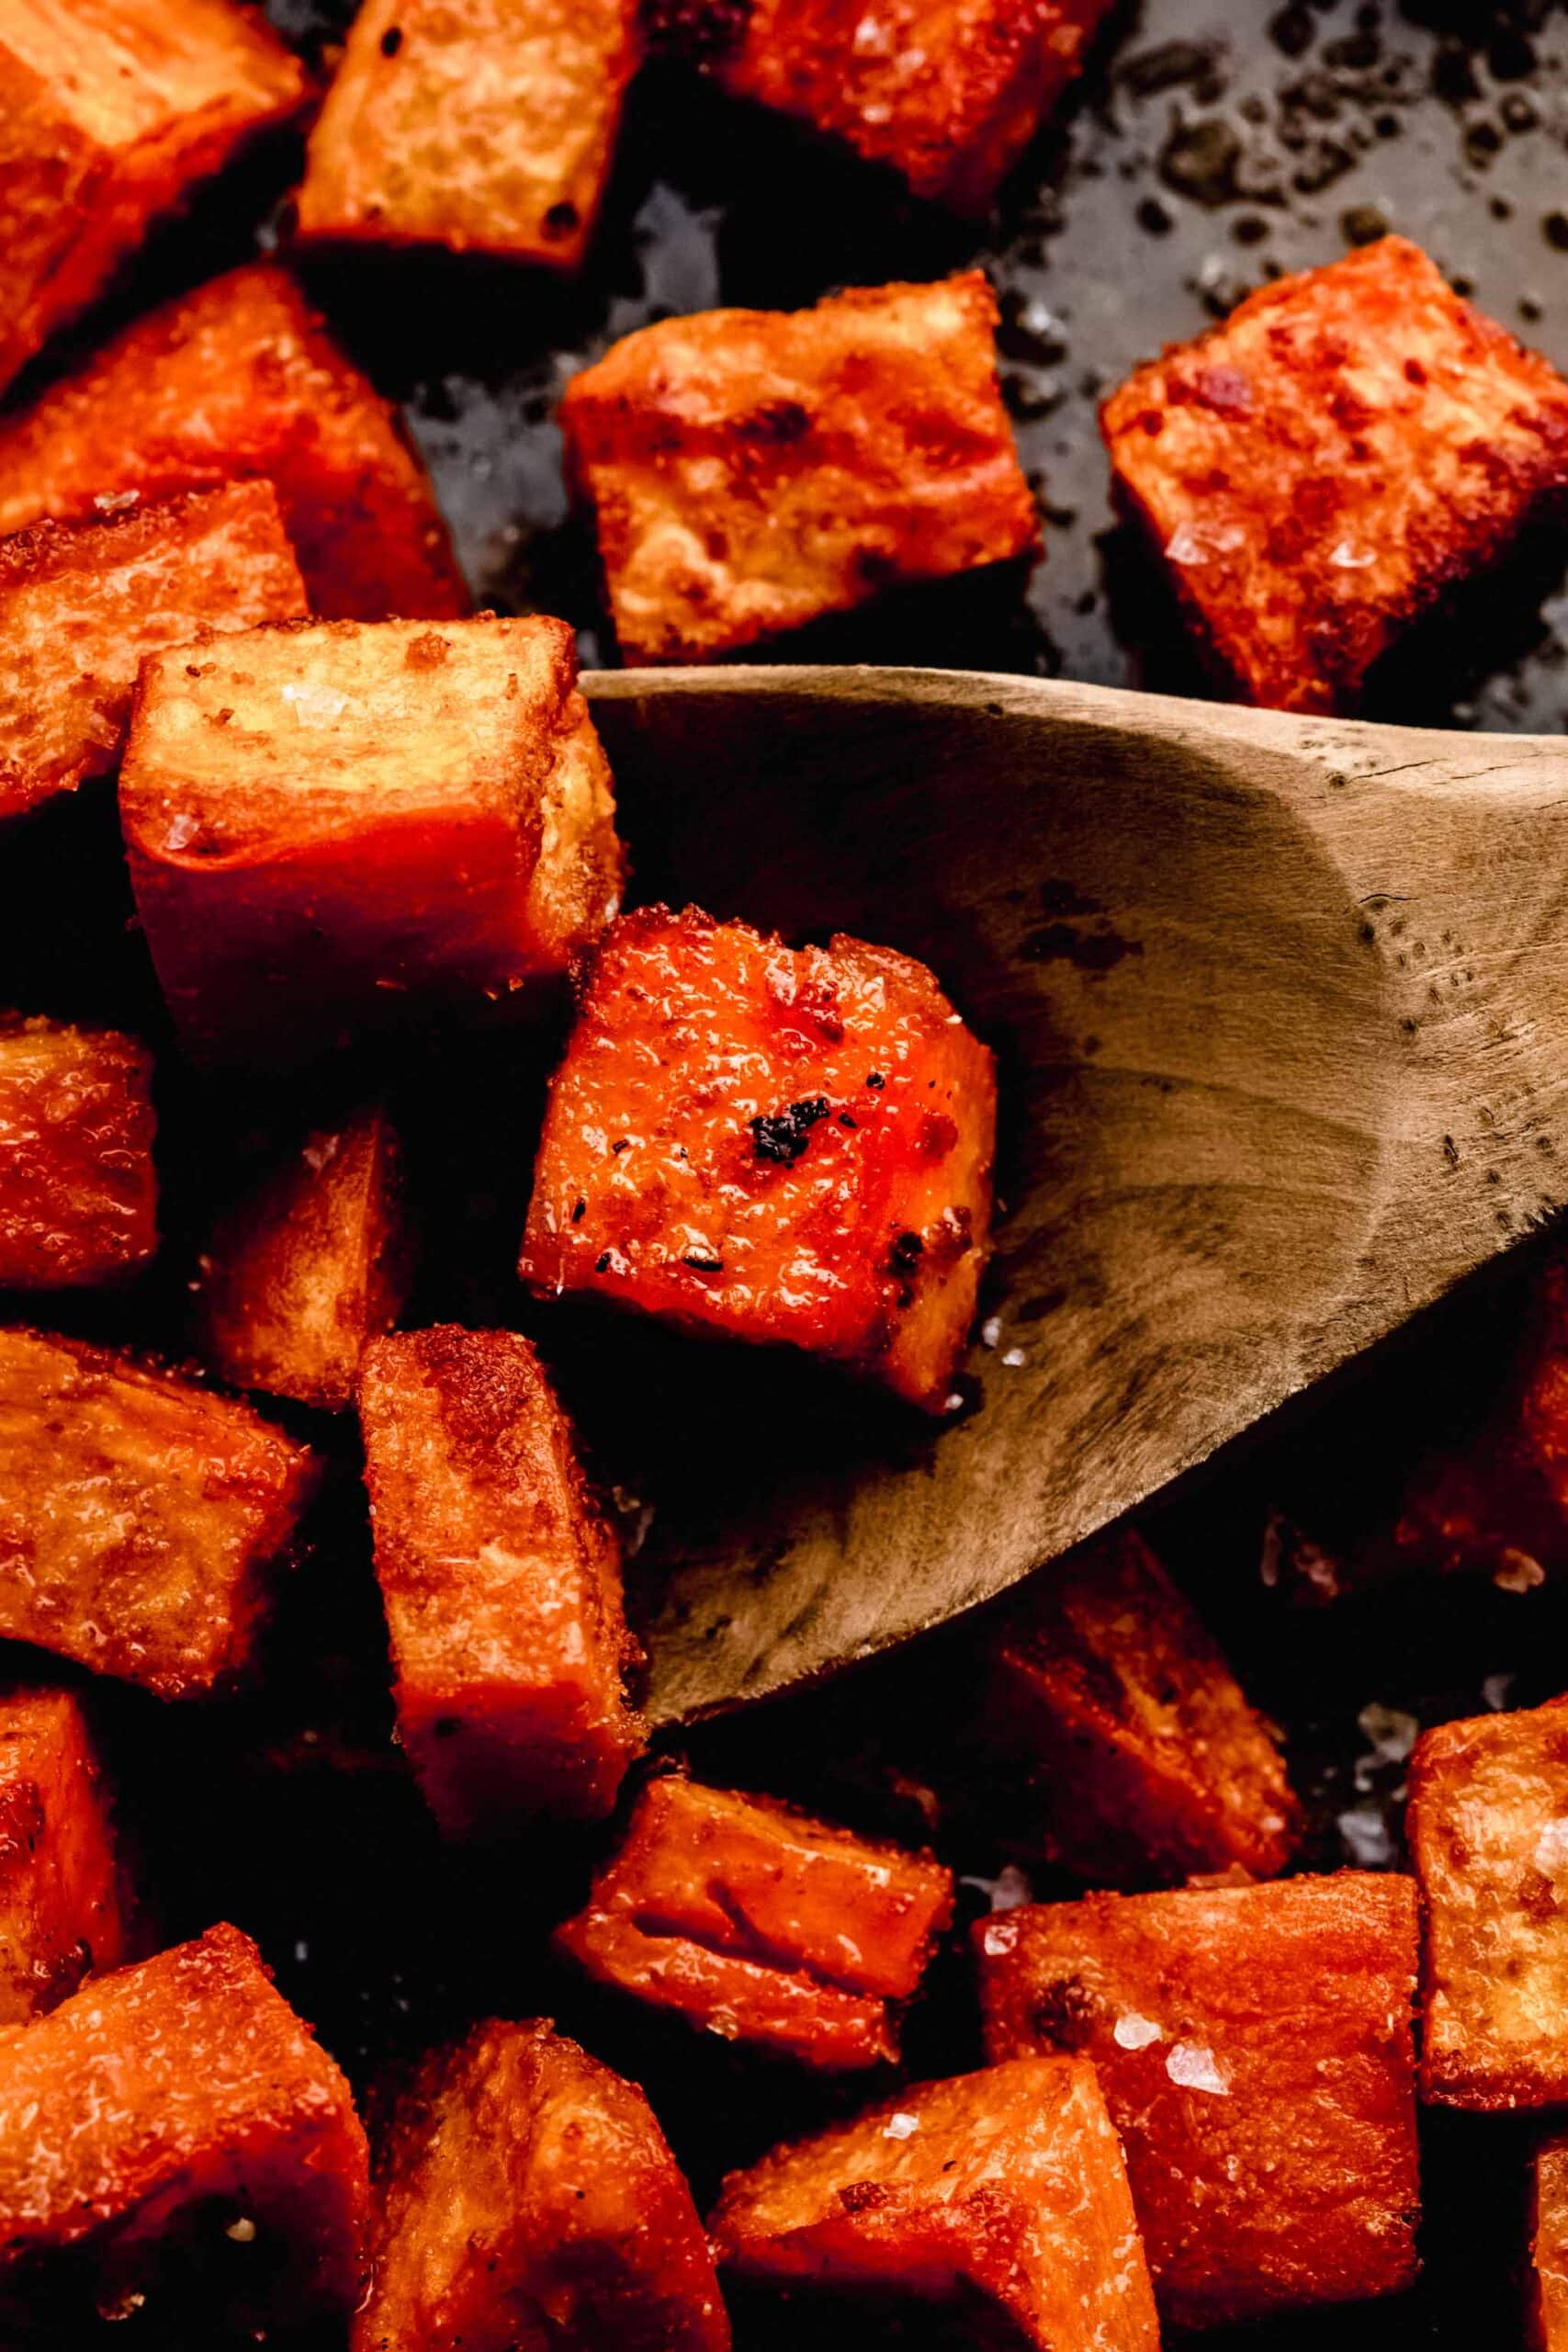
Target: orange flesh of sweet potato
column 770, row 1145
column 62, row 1909
column 314, row 1262
column 1145, row 1761
column 1548, row 2293
column 78, row 1188
column 501, row 1579
column 239, row 380
column 948, row 91
column 1008, row 2183
column 1488, row 1831
column 1320, row 468
column 759, row 1925
column 489, row 128
column 750, row 471
column 139, row 1515
column 526, row 2195
column 327, row 824
column 111, row 111
column 80, row 603
column 1255, row 2049
column 184, row 2079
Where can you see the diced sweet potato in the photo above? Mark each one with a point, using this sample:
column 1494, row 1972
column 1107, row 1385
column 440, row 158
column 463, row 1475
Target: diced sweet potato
column 1500, row 1504
column 240, row 380
column 78, row 1189
column 1488, row 1831
column 759, row 1925
column 62, row 1914
column 1255, row 2049
column 502, row 1581
column 312, row 1262
column 751, row 470
column 521, row 2177
column 111, row 111
column 1008, row 2184
column 1549, row 2249
column 139, row 1515
column 327, row 825
column 80, row 605
column 488, row 128
column 184, row 2083
column 770, row 1145
column 1323, row 467
column 948, row 91
column 1141, row 1759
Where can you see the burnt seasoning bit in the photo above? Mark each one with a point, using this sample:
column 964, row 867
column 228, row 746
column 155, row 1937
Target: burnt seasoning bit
column 784, row 1135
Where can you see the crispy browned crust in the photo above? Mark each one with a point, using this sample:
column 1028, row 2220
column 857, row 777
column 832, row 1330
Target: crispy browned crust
column 1256, row 2048
column 1488, row 1806
column 314, row 1260
column 1008, row 2184
column 1547, row 2289
column 1141, row 1761
column 335, row 825
column 487, row 128
column 750, row 471
column 78, row 1187
column 82, row 604
column 1323, row 467
column 142, row 1518
column 770, row 1145
column 756, row 1923
column 63, row 1898
column 501, row 1582
column 237, row 381
column 520, row 2175
column 948, row 93
column 184, row 2079
column 112, row 113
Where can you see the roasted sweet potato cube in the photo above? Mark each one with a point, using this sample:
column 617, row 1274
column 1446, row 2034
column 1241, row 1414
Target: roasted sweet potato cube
column 1008, row 2185
column 80, row 605
column 78, row 1189
column 1140, row 1761
column 488, row 128
column 111, row 111
column 1488, row 1830
column 329, row 825
column 1255, row 2049
column 751, row 470
column 759, row 1925
column 1548, row 2295
column 181, row 2084
column 314, row 1260
column 501, row 1580
column 1499, row 1504
column 770, row 1145
column 521, row 2175
column 948, row 91
column 237, row 381
column 139, row 1515
column 63, row 1897
column 1321, row 469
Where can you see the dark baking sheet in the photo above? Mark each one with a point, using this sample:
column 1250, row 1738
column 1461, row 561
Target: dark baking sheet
column 1208, row 146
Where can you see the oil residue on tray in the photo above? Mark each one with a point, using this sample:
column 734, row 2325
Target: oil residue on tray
column 1207, row 151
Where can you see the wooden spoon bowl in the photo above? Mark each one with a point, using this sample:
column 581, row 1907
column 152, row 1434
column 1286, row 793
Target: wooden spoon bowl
column 1281, row 1009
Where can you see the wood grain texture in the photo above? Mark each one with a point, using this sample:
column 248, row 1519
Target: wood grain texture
column 1281, row 1008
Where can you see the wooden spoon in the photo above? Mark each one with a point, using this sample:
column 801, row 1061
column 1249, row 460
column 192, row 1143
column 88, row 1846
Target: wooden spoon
column 1281, row 1006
